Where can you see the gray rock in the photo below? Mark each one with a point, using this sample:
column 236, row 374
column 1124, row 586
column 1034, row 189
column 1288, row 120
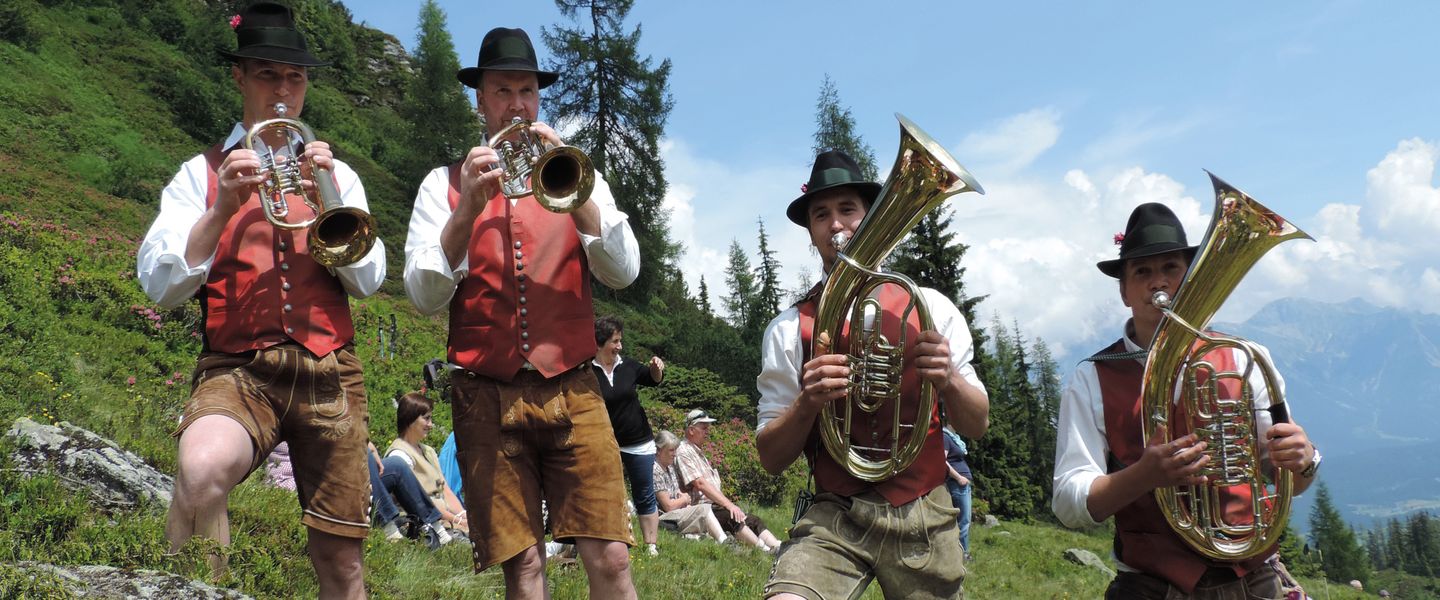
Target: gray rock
column 1087, row 558
column 991, row 521
column 97, row 581
column 1004, row 533
column 89, row 464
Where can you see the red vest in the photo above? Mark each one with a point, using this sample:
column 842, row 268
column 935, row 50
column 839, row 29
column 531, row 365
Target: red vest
column 1143, row 537
column 264, row 289
column 526, row 296
column 929, row 468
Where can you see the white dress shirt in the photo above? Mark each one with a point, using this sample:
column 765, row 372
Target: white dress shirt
column 781, row 356
column 1081, row 445
column 614, row 255
column 160, row 264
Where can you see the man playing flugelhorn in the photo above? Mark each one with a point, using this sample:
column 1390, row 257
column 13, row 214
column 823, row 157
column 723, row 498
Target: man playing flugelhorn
column 900, row 531
column 278, row 362
column 530, row 422
column 1102, row 467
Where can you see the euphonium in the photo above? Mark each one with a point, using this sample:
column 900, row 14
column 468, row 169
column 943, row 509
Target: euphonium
column 1241, row 231
column 561, row 178
column 339, row 234
column 924, row 175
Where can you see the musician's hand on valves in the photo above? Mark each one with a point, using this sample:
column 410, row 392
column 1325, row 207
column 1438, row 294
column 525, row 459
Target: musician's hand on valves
column 1177, row 462
column 824, row 379
column 480, row 177
column 1289, row 447
column 932, row 358
column 551, row 138
column 238, row 178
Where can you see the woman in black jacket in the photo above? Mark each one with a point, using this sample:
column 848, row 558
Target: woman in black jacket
column 618, row 380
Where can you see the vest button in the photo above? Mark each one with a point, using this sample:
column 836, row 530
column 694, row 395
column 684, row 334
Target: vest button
column 289, row 330
column 519, row 255
column 522, row 287
column 284, row 266
column 524, row 324
column 282, row 245
column 519, row 266
column 520, row 277
column 517, row 245
column 524, row 311
column 524, row 335
column 285, row 286
column 525, row 347
column 288, row 308
column 522, row 300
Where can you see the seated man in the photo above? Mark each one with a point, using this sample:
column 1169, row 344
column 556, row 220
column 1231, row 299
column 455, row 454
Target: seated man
column 703, row 482
column 678, row 509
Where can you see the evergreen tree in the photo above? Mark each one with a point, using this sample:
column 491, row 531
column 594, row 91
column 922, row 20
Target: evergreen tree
column 1420, row 537
column 1045, row 382
column 1396, row 547
column 705, row 298
column 1375, row 546
column 835, row 130
column 932, row 258
column 442, row 123
column 1298, row 558
column 804, row 281
column 617, row 104
column 769, row 296
column 1343, row 558
column 739, row 305
column 1003, row 460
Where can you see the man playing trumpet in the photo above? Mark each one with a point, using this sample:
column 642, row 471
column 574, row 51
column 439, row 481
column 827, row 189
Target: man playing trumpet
column 530, row 422
column 278, row 362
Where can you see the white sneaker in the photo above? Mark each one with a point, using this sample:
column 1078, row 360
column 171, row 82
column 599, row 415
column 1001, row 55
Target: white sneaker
column 392, row 532
column 441, row 535
column 651, row 550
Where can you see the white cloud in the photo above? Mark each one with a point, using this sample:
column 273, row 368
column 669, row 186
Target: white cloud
column 1013, row 143
column 1123, row 143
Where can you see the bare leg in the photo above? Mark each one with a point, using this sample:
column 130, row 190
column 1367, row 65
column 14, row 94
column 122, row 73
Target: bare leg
column 749, row 537
column 607, row 566
column 650, row 527
column 525, row 575
column 712, row 525
column 215, row 454
column 769, row 539
column 337, row 562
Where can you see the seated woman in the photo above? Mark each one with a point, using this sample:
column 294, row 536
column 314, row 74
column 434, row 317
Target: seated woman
column 676, row 508
column 412, row 419
column 392, row 476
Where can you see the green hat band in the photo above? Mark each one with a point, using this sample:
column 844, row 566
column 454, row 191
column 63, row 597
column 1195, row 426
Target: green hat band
column 1159, row 234
column 833, row 176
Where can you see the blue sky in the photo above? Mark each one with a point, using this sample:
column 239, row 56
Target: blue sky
column 1069, row 115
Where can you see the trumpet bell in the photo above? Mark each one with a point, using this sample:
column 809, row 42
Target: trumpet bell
column 561, row 178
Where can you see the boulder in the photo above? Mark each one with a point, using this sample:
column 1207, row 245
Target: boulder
column 990, row 521
column 89, row 464
column 97, row 581
column 1086, row 558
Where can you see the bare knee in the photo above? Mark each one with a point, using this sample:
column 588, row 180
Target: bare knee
column 526, row 565
column 605, row 558
column 215, row 454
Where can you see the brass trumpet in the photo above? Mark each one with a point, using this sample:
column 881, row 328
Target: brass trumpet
column 338, row 235
column 1179, row 378
column 561, row 177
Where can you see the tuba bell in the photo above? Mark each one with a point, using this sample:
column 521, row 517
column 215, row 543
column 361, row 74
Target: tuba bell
column 923, row 176
column 561, row 177
column 1182, row 389
column 338, row 235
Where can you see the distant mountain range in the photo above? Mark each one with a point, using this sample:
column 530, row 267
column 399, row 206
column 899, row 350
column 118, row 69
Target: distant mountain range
column 1365, row 383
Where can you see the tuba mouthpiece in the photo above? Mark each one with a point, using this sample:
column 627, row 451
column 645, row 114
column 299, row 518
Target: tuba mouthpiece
column 281, row 109
column 1161, row 299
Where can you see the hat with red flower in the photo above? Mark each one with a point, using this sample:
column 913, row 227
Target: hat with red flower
column 266, row 31
column 832, row 169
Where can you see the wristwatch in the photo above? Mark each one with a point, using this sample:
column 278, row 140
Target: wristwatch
column 1309, row 471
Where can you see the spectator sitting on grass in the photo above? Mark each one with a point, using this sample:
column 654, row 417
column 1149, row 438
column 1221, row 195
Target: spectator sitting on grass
column 678, row 509
column 412, row 419
column 703, row 482
column 393, row 476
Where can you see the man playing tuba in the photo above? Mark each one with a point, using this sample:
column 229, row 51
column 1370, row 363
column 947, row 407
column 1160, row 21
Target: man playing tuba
column 278, row 362
column 900, row 531
column 1102, row 468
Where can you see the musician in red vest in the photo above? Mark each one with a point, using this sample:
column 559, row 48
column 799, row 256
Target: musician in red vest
column 1102, row 468
column 530, row 422
column 278, row 362
column 900, row 532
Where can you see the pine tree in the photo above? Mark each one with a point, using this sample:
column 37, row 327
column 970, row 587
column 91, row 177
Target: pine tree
column 804, row 281
column 931, row 257
column 1420, row 535
column 739, row 305
column 442, row 123
column 1343, row 559
column 1003, row 461
column 705, row 298
column 835, row 130
column 1375, row 547
column 767, row 302
column 1045, row 382
column 1396, row 546
column 617, row 104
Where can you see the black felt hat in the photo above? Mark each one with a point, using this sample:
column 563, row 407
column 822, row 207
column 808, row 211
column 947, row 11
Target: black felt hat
column 833, row 169
column 1153, row 229
column 506, row 50
column 266, row 31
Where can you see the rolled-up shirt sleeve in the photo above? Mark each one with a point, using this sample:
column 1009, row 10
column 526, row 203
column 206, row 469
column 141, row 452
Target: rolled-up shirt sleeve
column 614, row 255
column 160, row 263
column 1080, row 448
column 780, row 362
column 429, row 280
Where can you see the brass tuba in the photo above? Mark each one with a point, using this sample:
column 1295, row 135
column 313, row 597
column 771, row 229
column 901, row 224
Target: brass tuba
column 1241, row 232
column 924, row 175
column 339, row 235
column 561, row 178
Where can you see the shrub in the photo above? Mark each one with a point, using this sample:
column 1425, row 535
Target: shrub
column 18, row 24
column 690, row 388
